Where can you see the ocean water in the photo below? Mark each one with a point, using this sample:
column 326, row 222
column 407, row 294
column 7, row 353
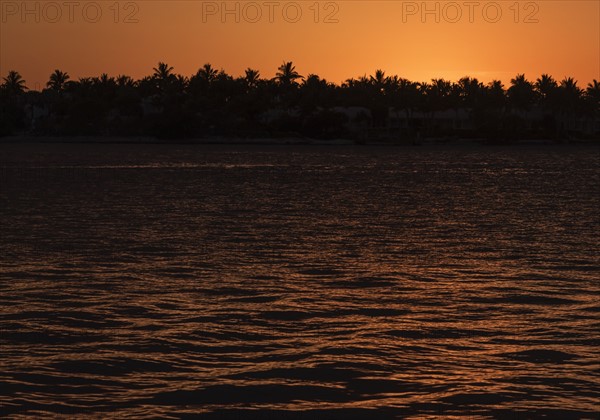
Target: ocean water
column 299, row 282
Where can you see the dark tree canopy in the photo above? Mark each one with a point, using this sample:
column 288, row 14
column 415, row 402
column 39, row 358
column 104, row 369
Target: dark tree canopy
column 385, row 107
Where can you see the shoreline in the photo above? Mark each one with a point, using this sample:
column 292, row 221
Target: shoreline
column 286, row 141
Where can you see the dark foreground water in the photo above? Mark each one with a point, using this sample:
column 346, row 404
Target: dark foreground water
column 299, row 282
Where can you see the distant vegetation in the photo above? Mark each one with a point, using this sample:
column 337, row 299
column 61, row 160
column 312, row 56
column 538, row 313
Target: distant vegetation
column 212, row 103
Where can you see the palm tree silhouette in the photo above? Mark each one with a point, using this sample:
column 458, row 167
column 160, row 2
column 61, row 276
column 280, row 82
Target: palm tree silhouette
column 162, row 72
column 378, row 98
column 163, row 76
column 593, row 88
column 58, row 80
column 14, row 83
column 201, row 82
column 496, row 89
column 569, row 85
column 287, row 74
column 545, row 86
column 438, row 94
column 212, row 101
column 378, row 80
column 570, row 96
column 405, row 96
column 251, row 78
column 207, row 73
column 470, row 90
column 105, row 79
column 86, row 82
column 124, row 81
column 495, row 96
column 521, row 93
column 548, row 100
column 315, row 94
column 105, row 86
column 593, row 91
column 592, row 97
column 547, row 90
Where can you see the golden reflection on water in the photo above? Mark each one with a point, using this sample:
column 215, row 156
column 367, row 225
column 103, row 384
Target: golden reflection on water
column 408, row 281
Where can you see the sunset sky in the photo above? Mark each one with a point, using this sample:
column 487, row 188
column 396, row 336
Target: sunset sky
column 557, row 37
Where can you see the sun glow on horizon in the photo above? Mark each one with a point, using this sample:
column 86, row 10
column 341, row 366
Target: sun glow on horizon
column 336, row 40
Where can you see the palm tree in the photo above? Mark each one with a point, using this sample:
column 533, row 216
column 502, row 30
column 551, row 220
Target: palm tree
column 163, row 77
column 58, row 80
column 207, row 74
column 14, row 83
column 570, row 96
column 438, row 94
column 127, row 99
column 356, row 92
column 592, row 100
column 422, row 88
column 252, row 77
column 124, row 81
column 545, row 86
column 592, row 93
column 437, row 98
column 86, row 82
column 105, row 85
column 163, row 72
column 521, row 93
column 377, row 101
column 378, row 80
column 490, row 110
column 469, row 91
column 104, row 79
column 495, row 95
column 403, row 97
column 287, row 74
column 315, row 93
column 350, row 83
column 181, row 81
column 570, row 92
column 408, row 97
column 548, row 98
column 593, row 89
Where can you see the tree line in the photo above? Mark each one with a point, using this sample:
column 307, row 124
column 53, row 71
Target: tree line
column 214, row 103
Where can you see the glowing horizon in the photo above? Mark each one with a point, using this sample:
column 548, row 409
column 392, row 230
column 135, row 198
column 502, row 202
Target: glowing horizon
column 402, row 38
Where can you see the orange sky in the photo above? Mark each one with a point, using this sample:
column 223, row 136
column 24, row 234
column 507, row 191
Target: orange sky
column 391, row 35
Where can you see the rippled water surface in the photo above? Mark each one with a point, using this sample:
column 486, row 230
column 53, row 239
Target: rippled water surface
column 299, row 282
